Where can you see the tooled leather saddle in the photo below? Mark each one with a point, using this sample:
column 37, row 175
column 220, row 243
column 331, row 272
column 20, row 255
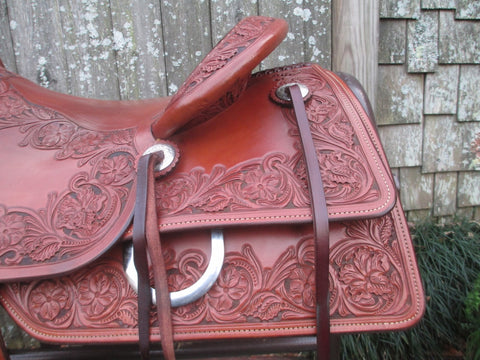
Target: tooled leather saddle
column 263, row 207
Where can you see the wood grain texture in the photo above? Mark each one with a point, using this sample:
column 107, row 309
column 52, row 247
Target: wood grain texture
column 88, row 48
column 6, row 45
column 187, row 40
column 355, row 41
column 139, row 54
column 130, row 50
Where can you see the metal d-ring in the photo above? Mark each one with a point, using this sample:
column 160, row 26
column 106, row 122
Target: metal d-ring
column 193, row 292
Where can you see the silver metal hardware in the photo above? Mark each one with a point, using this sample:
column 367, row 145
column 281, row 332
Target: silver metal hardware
column 169, row 154
column 193, row 292
column 283, row 93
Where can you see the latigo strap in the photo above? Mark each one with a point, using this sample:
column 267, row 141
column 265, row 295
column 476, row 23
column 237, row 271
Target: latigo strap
column 146, row 239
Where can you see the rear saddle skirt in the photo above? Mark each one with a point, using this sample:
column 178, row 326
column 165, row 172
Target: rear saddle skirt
column 68, row 192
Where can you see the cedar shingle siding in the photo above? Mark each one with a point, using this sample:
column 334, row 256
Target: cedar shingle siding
column 428, row 103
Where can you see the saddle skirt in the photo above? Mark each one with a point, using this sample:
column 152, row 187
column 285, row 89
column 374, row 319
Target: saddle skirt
column 243, row 171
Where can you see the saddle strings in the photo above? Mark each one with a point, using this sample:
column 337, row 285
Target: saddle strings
column 320, row 224
column 146, row 242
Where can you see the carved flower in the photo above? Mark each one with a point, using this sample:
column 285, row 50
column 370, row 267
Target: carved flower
column 171, row 195
column 114, row 170
column 319, row 110
column 337, row 170
column 79, row 211
column 367, row 276
column 302, row 286
column 250, row 27
column 56, row 133
column 49, row 299
column 97, row 293
column 11, row 105
column 179, row 281
column 219, row 59
column 12, row 229
column 262, row 186
column 230, row 288
column 86, row 143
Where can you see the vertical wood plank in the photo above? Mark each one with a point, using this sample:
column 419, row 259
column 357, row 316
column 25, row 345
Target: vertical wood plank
column 36, row 35
column 317, row 38
column 225, row 14
column 89, row 45
column 187, row 38
column 355, row 41
column 6, row 46
column 140, row 58
column 291, row 50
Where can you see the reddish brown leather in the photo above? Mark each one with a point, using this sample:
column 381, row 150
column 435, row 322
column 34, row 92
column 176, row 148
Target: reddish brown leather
column 250, row 141
column 221, row 77
column 145, row 235
column 320, row 222
column 267, row 285
column 243, row 170
column 68, row 168
column 79, row 155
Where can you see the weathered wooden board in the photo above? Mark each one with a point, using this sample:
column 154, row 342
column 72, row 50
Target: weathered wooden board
column 38, row 49
column 400, row 9
column 400, row 96
column 438, row 4
column 187, row 38
column 354, row 41
column 469, row 93
column 422, row 43
column 138, row 45
column 6, row 46
column 417, row 189
column 467, row 9
column 225, row 14
column 441, row 90
column 392, row 42
column 447, row 144
column 403, row 144
column 88, row 49
column 145, row 48
column 445, row 194
column 469, row 189
column 458, row 40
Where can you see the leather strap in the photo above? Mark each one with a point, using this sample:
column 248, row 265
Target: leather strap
column 320, row 224
column 146, row 241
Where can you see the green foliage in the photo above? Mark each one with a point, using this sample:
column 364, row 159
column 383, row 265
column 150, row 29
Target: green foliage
column 449, row 261
column 472, row 312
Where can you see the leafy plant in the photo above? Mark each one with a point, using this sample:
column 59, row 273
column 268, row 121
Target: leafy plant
column 449, row 261
column 472, row 311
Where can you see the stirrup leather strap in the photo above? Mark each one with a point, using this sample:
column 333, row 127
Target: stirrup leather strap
column 320, row 223
column 146, row 240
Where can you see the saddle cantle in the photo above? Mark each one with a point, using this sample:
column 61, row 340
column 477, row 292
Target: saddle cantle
column 69, row 194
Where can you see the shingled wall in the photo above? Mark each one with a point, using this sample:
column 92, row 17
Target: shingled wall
column 428, row 103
